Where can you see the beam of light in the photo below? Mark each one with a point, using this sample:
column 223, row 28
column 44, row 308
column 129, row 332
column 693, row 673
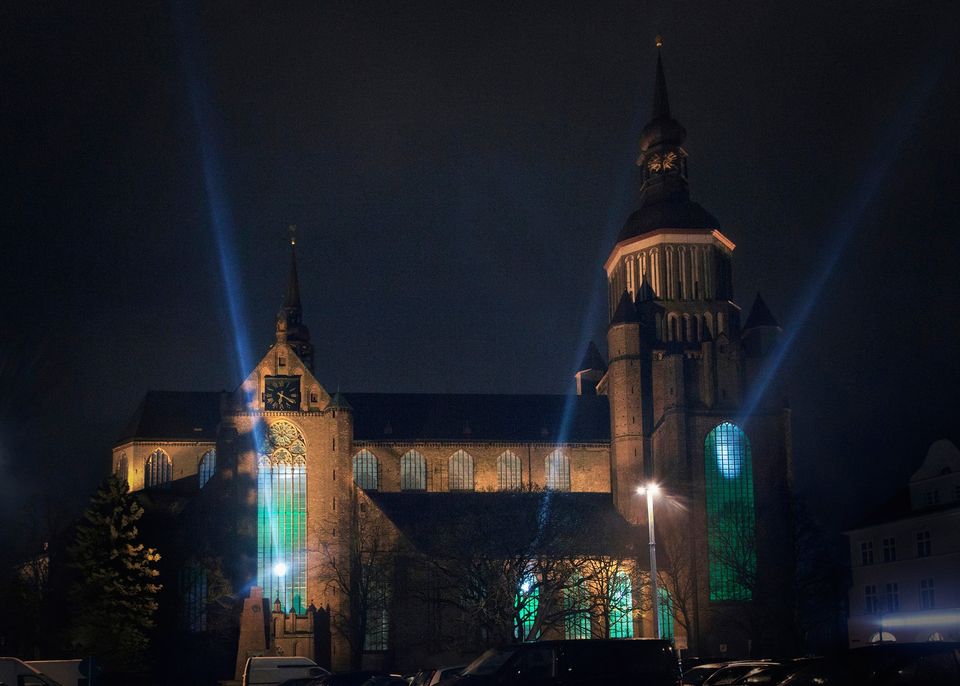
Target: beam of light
column 218, row 202
column 844, row 227
column 929, row 618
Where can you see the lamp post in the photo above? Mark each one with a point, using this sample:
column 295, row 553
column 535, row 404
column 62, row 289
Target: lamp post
column 651, row 490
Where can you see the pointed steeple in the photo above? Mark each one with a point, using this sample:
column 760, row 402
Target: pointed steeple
column 760, row 315
column 645, row 292
column 661, row 103
column 592, row 359
column 290, row 318
column 291, row 303
column 626, row 312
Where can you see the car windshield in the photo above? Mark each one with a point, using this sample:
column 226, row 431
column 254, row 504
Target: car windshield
column 489, row 662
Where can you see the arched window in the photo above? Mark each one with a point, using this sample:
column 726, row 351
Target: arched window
column 123, row 468
column 576, row 607
column 378, row 615
column 461, row 471
column 557, row 469
column 282, row 516
column 366, row 470
column 731, row 524
column 413, row 472
column 665, row 607
column 207, row 466
column 525, row 605
column 621, row 606
column 509, row 471
column 158, row 470
column 193, row 597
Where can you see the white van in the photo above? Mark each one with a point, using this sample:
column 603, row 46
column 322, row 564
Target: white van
column 14, row 672
column 273, row 671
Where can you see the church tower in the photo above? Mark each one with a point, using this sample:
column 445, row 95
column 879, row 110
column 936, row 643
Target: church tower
column 689, row 403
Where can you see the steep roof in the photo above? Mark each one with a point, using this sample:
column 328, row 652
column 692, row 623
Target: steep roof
column 760, row 315
column 175, row 415
column 496, row 523
column 480, row 417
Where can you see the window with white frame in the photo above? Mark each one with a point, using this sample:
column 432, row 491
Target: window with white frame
column 890, row 549
column 871, row 601
column 892, row 597
column 866, row 553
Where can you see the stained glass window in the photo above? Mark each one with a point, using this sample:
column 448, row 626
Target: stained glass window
column 665, row 608
column 207, row 466
column 282, row 516
column 621, row 606
column 413, row 472
column 461, row 471
column 557, row 468
column 526, row 604
column 509, row 471
column 576, row 607
column 158, row 471
column 366, row 470
column 731, row 524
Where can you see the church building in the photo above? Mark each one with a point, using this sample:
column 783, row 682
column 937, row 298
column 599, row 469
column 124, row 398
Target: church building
column 405, row 530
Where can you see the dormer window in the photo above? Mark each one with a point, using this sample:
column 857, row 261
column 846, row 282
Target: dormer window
column 281, row 361
column 314, row 398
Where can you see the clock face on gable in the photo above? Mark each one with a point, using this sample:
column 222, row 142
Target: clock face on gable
column 281, row 393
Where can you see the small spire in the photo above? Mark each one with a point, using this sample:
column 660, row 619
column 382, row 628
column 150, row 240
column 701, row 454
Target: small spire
column 626, row 312
column 659, row 41
column 760, row 315
column 592, row 359
column 661, row 103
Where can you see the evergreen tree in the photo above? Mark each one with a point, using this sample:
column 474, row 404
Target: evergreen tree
column 114, row 595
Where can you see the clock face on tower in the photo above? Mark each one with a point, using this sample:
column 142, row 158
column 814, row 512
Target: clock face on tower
column 281, row 393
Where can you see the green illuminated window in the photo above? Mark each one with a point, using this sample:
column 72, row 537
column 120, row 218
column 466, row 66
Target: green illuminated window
column 665, row 607
column 366, row 470
column 557, row 467
column 207, row 466
column 508, row 471
column 731, row 524
column 282, row 517
column 526, row 604
column 158, row 470
column 621, row 606
column 576, row 607
column 413, row 472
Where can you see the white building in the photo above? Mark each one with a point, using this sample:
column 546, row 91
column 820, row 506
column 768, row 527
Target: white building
column 906, row 564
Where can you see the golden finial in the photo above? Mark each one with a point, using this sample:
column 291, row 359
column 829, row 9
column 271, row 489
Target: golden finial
column 659, row 42
column 293, row 234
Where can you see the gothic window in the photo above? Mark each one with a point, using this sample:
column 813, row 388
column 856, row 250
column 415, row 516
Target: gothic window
column 193, row 597
column 378, row 615
column 158, row 471
column 509, row 476
column 731, row 523
column 461, row 471
column 576, row 606
column 526, row 604
column 207, row 466
column 665, row 610
column 366, row 470
column 413, row 472
column 621, row 606
column 557, row 468
column 282, row 516
column 123, row 468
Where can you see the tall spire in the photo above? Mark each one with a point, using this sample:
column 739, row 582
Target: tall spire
column 292, row 301
column 661, row 103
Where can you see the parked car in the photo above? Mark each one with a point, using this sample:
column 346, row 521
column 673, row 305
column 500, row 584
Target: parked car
column 885, row 664
column 273, row 671
column 700, row 673
column 732, row 672
column 651, row 662
column 444, row 673
column 355, row 678
column 14, row 672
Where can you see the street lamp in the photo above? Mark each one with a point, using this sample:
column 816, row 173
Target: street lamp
column 652, row 490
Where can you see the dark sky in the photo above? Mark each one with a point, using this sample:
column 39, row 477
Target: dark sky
column 459, row 172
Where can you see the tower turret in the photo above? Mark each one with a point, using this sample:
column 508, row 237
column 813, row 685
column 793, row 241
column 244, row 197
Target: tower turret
column 296, row 333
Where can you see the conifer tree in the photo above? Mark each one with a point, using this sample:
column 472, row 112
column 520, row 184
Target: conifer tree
column 114, row 595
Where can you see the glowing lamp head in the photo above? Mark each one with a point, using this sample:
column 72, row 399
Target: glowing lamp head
column 650, row 489
column 280, row 569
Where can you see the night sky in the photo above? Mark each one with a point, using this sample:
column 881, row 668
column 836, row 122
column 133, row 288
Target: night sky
column 458, row 173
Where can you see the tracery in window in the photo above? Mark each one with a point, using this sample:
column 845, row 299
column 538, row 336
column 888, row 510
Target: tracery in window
column 366, row 470
column 557, row 468
column 461, row 471
column 509, row 471
column 158, row 471
column 413, row 471
column 207, row 467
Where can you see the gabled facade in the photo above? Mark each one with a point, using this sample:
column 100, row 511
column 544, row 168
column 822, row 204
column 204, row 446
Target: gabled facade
column 681, row 398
